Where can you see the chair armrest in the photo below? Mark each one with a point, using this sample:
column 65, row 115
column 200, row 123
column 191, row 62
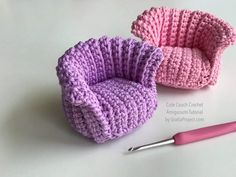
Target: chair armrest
column 215, row 36
column 147, row 26
column 74, row 87
column 149, row 61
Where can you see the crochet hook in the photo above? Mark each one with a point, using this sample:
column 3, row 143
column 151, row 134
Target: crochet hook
column 192, row 136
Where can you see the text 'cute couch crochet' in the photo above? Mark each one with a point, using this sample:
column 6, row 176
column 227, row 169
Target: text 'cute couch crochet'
column 108, row 86
column 192, row 43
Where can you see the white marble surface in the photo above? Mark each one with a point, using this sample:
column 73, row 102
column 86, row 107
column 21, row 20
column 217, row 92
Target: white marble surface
column 35, row 139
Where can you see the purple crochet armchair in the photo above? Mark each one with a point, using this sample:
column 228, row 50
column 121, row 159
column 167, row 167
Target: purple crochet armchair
column 108, row 86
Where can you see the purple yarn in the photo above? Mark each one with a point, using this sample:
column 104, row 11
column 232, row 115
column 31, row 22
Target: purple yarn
column 108, row 86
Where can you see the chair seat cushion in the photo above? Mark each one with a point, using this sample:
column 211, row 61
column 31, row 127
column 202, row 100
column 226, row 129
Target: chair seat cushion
column 184, row 68
column 125, row 104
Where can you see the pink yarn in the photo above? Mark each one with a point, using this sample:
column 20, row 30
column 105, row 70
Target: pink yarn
column 192, row 43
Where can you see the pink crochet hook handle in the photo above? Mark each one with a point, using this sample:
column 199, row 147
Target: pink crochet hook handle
column 204, row 133
column 192, row 136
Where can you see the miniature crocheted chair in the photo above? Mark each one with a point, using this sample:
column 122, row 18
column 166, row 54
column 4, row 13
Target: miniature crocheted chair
column 108, row 86
column 192, row 43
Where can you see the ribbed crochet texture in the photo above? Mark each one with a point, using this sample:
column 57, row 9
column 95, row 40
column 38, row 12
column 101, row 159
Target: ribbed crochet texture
column 192, row 43
column 108, row 86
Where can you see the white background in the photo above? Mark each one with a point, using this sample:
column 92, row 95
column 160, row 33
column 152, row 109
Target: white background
column 35, row 139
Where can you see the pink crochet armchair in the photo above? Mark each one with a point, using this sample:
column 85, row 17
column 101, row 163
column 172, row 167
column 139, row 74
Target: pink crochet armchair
column 192, row 44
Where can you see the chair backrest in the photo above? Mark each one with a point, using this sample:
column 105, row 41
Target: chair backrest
column 105, row 58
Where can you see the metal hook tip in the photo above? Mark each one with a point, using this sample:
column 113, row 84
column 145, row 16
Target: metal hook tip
column 131, row 149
